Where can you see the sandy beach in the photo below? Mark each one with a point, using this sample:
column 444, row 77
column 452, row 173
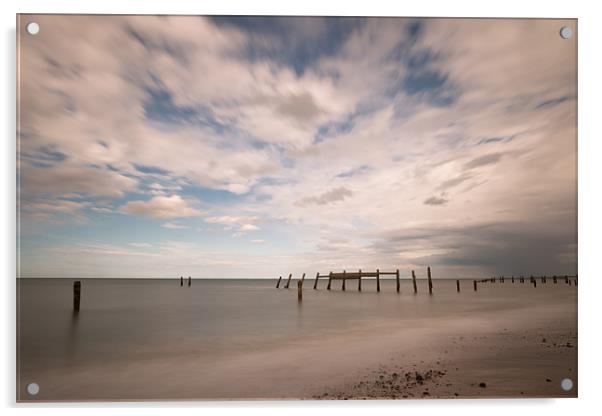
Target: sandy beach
column 518, row 362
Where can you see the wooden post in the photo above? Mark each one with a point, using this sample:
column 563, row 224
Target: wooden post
column 428, row 271
column 288, row 282
column 189, row 281
column 299, row 290
column 343, row 286
column 534, row 282
column 554, row 279
column 512, row 279
column 278, row 284
column 474, row 284
column 359, row 281
column 414, row 282
column 542, row 279
column 77, row 290
column 570, row 282
column 181, row 281
column 303, row 278
column 457, row 285
column 575, row 280
column 397, row 277
column 329, row 280
column 377, row 280
column 316, row 282
column 566, row 280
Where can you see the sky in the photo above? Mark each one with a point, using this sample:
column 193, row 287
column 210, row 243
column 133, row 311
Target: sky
column 253, row 147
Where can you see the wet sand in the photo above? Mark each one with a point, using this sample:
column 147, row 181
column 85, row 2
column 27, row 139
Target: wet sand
column 516, row 363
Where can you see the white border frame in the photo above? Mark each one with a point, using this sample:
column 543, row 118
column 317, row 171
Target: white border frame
column 590, row 206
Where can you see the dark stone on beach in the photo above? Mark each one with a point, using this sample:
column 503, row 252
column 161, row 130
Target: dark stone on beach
column 548, row 380
column 456, row 394
column 569, row 345
column 482, row 385
column 419, row 377
column 395, row 375
column 543, row 341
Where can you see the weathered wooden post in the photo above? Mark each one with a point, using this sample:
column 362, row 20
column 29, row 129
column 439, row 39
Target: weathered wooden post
column 575, row 280
column 534, row 282
column 554, row 279
column 513, row 279
column 570, row 282
column 329, row 280
column 303, row 278
column 566, row 280
column 316, row 282
column 428, row 271
column 299, row 291
column 414, row 282
column 543, row 279
column 288, row 282
column 458, row 285
column 359, row 281
column 474, row 285
column 278, row 284
column 343, row 285
column 189, row 281
column 181, row 281
column 77, row 290
column 397, row 278
column 377, row 280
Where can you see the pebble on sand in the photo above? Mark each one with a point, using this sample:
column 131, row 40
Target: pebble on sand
column 482, row 385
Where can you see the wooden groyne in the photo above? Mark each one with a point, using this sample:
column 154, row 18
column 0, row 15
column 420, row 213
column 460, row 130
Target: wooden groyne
column 358, row 275
column 345, row 275
column 569, row 280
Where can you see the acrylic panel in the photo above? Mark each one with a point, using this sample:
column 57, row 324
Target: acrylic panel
column 296, row 208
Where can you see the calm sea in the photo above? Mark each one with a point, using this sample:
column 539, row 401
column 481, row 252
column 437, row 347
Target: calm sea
column 125, row 321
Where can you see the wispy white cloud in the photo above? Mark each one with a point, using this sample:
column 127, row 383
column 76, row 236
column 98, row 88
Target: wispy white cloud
column 406, row 125
column 161, row 207
column 173, row 226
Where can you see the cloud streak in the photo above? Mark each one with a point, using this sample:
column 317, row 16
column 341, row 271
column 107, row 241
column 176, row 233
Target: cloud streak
column 161, row 207
column 374, row 142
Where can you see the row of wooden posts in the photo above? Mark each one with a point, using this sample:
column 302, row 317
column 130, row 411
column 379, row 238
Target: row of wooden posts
column 569, row 280
column 344, row 276
column 77, row 285
column 358, row 275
